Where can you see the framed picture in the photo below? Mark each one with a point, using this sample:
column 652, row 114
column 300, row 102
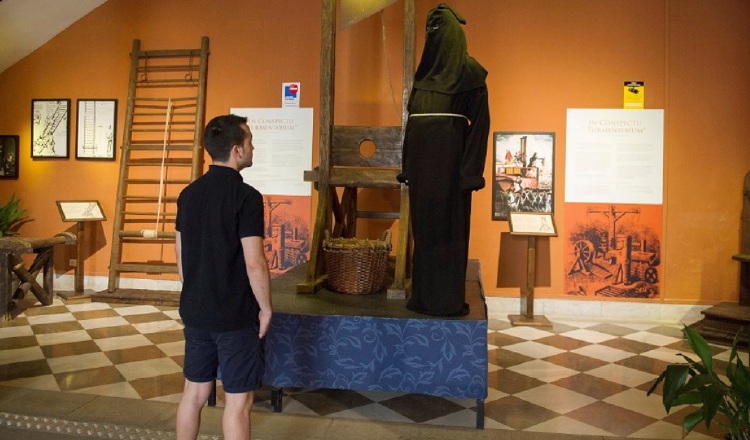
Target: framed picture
column 532, row 223
column 523, row 173
column 96, row 128
column 9, row 157
column 50, row 124
column 80, row 210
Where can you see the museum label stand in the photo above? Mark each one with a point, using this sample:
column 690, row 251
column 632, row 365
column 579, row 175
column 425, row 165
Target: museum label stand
column 80, row 212
column 531, row 225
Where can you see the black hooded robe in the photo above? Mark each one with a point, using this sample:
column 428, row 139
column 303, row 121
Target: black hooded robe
column 445, row 146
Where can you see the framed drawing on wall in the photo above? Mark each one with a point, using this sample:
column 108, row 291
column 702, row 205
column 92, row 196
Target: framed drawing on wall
column 9, row 157
column 96, row 128
column 50, row 125
column 523, row 173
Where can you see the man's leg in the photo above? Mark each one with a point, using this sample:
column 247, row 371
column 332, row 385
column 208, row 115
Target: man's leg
column 194, row 397
column 236, row 421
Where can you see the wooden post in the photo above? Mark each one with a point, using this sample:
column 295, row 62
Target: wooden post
column 79, row 259
column 527, row 316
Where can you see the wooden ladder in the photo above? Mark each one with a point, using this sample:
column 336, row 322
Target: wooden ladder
column 161, row 153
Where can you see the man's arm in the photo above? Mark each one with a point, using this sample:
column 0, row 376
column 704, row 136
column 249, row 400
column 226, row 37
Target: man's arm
column 178, row 253
column 260, row 279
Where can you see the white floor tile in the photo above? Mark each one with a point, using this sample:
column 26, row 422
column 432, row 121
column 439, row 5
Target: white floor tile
column 149, row 368
column 79, row 362
column 526, row 332
column 534, row 349
column 544, row 371
column 122, row 342
column 566, row 425
column 652, row 338
column 622, row 375
column 602, row 352
column 25, row 354
column 588, row 336
column 62, row 337
column 554, row 398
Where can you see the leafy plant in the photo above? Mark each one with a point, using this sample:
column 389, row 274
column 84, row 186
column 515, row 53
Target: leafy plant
column 11, row 216
column 696, row 383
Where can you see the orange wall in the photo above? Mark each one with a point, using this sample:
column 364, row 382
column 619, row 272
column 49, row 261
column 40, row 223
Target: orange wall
column 543, row 56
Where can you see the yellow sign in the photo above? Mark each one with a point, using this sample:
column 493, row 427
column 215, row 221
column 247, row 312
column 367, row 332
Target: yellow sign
column 633, row 95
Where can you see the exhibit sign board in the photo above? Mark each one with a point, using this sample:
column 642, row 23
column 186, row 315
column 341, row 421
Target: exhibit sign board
column 283, row 152
column 614, row 156
column 283, row 149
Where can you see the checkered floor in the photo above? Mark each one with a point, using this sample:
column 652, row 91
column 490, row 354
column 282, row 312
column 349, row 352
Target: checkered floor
column 576, row 378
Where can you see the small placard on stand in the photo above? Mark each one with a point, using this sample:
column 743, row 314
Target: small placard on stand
column 79, row 211
column 532, row 225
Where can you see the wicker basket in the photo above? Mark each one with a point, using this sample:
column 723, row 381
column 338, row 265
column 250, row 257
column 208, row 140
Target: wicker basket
column 356, row 266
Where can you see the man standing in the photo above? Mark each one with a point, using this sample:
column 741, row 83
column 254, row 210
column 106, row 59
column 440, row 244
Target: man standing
column 225, row 302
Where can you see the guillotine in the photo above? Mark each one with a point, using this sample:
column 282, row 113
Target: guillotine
column 343, row 166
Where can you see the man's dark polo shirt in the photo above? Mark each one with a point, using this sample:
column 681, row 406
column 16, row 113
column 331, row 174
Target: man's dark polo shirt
column 213, row 214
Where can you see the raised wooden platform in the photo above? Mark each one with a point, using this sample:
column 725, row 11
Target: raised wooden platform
column 139, row 296
column 722, row 322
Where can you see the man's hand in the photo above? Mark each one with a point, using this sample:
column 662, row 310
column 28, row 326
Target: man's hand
column 265, row 323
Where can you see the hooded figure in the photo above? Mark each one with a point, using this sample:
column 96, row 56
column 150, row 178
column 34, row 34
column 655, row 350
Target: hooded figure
column 445, row 145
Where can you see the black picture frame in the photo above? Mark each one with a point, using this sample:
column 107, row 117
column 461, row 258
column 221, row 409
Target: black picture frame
column 523, row 173
column 9, row 149
column 50, row 128
column 96, row 129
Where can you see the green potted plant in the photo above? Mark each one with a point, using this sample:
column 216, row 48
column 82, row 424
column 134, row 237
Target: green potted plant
column 696, row 383
column 11, row 217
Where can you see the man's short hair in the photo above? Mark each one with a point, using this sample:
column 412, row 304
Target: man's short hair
column 222, row 133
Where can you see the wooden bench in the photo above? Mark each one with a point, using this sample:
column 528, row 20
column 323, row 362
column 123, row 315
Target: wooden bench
column 12, row 264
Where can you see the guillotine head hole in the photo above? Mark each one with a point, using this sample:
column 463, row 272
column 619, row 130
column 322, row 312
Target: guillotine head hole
column 367, row 148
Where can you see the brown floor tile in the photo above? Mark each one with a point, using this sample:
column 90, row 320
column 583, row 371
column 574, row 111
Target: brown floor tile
column 147, row 317
column 69, row 349
column 675, row 332
column 421, row 408
column 511, row 382
column 516, row 413
column 611, row 329
column 496, row 324
column 56, row 327
column 45, row 310
column 506, row 358
column 643, row 363
column 611, row 418
column 158, row 386
column 590, row 386
column 94, row 314
column 17, row 342
column 629, row 345
column 134, row 354
column 111, row 332
column 324, row 401
column 575, row 361
column 562, row 328
column 563, row 342
column 501, row 339
column 24, row 369
column 19, row 321
column 677, row 415
column 179, row 360
column 75, row 380
column 166, row 336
